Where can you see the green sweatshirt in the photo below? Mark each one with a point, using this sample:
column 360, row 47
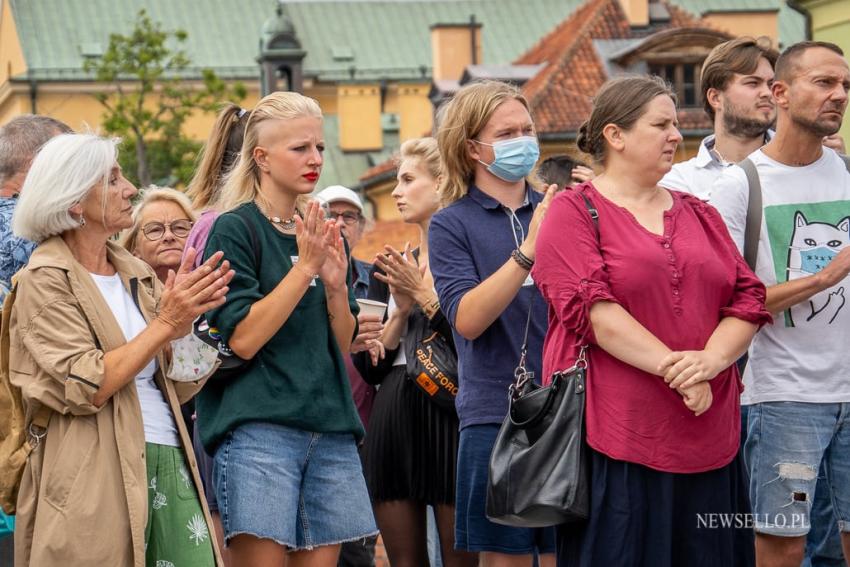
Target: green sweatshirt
column 298, row 379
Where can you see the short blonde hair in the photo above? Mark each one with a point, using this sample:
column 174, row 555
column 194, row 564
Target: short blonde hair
column 426, row 151
column 153, row 194
column 243, row 182
column 463, row 118
column 62, row 174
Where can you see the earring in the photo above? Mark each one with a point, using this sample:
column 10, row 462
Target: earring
column 82, row 221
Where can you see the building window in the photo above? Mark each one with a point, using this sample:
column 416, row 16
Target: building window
column 685, row 80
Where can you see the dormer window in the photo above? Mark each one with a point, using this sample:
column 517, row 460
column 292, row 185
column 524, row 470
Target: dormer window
column 676, row 55
column 684, row 78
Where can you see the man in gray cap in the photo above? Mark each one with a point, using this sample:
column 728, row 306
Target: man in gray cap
column 344, row 206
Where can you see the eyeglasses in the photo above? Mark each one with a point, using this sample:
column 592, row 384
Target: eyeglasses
column 156, row 230
column 348, row 217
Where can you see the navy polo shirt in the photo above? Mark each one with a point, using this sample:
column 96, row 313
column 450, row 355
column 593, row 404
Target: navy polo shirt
column 468, row 241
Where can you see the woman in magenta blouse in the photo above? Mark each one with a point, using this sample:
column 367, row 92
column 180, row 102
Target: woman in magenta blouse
column 666, row 304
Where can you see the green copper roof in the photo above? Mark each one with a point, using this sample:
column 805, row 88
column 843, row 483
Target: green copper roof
column 792, row 24
column 380, row 39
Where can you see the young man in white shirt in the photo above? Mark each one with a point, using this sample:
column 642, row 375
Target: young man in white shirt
column 736, row 78
column 797, row 383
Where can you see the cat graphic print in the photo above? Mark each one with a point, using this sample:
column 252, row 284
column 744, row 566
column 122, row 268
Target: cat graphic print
column 804, row 238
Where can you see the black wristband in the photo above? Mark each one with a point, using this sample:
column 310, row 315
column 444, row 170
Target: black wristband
column 524, row 261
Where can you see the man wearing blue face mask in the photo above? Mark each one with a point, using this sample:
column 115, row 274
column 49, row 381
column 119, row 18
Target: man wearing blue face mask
column 481, row 251
column 513, row 159
column 796, row 382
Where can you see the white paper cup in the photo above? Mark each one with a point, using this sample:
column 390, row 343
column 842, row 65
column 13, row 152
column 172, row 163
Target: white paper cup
column 370, row 307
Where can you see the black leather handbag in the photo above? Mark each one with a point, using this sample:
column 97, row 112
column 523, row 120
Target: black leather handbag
column 540, row 462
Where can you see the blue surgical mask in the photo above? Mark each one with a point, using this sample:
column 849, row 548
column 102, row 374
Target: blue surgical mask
column 513, row 159
column 816, row 259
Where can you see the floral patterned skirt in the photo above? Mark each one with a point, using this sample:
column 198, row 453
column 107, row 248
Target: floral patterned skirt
column 176, row 533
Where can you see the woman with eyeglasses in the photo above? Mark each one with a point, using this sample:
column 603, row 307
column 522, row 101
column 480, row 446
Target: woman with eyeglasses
column 161, row 223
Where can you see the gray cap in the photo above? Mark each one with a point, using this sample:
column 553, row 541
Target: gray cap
column 336, row 193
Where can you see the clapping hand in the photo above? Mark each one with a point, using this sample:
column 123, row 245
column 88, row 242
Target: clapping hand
column 188, row 293
column 334, row 270
column 540, row 211
column 582, row 173
column 320, row 247
column 835, row 142
column 400, row 271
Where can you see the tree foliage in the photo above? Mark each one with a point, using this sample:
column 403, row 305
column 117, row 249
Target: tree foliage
column 153, row 89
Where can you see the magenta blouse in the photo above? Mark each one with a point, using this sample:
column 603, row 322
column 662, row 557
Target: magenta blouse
column 679, row 286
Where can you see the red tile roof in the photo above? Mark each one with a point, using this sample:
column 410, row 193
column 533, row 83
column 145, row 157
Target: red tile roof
column 383, row 167
column 560, row 95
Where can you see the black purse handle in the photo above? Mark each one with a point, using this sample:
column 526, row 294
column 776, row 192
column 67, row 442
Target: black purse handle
column 521, row 373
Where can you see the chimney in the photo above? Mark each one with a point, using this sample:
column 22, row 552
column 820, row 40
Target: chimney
column 453, row 48
column 637, row 12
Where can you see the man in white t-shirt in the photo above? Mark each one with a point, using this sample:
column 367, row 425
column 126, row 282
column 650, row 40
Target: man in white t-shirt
column 736, row 81
column 797, row 382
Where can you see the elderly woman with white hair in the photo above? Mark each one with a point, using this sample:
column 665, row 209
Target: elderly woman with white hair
column 112, row 480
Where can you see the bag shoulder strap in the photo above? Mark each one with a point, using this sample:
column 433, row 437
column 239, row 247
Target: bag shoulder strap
column 42, row 415
column 752, row 231
column 846, row 160
column 594, row 215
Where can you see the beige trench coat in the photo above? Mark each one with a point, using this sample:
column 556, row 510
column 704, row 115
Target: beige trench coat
column 84, row 494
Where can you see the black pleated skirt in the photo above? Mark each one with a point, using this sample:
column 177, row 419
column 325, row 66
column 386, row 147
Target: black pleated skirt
column 411, row 445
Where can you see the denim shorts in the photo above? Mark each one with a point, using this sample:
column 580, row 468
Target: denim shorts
column 786, row 444
column 297, row 488
column 473, row 531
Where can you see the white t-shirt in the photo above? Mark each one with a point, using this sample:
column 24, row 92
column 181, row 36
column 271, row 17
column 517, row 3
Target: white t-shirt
column 802, row 356
column 156, row 414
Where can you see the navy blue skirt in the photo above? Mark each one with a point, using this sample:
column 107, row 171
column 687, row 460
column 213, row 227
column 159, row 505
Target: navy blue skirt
column 640, row 517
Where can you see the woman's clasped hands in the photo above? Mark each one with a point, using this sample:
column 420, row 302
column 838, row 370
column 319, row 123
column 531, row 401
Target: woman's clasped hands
column 689, row 373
